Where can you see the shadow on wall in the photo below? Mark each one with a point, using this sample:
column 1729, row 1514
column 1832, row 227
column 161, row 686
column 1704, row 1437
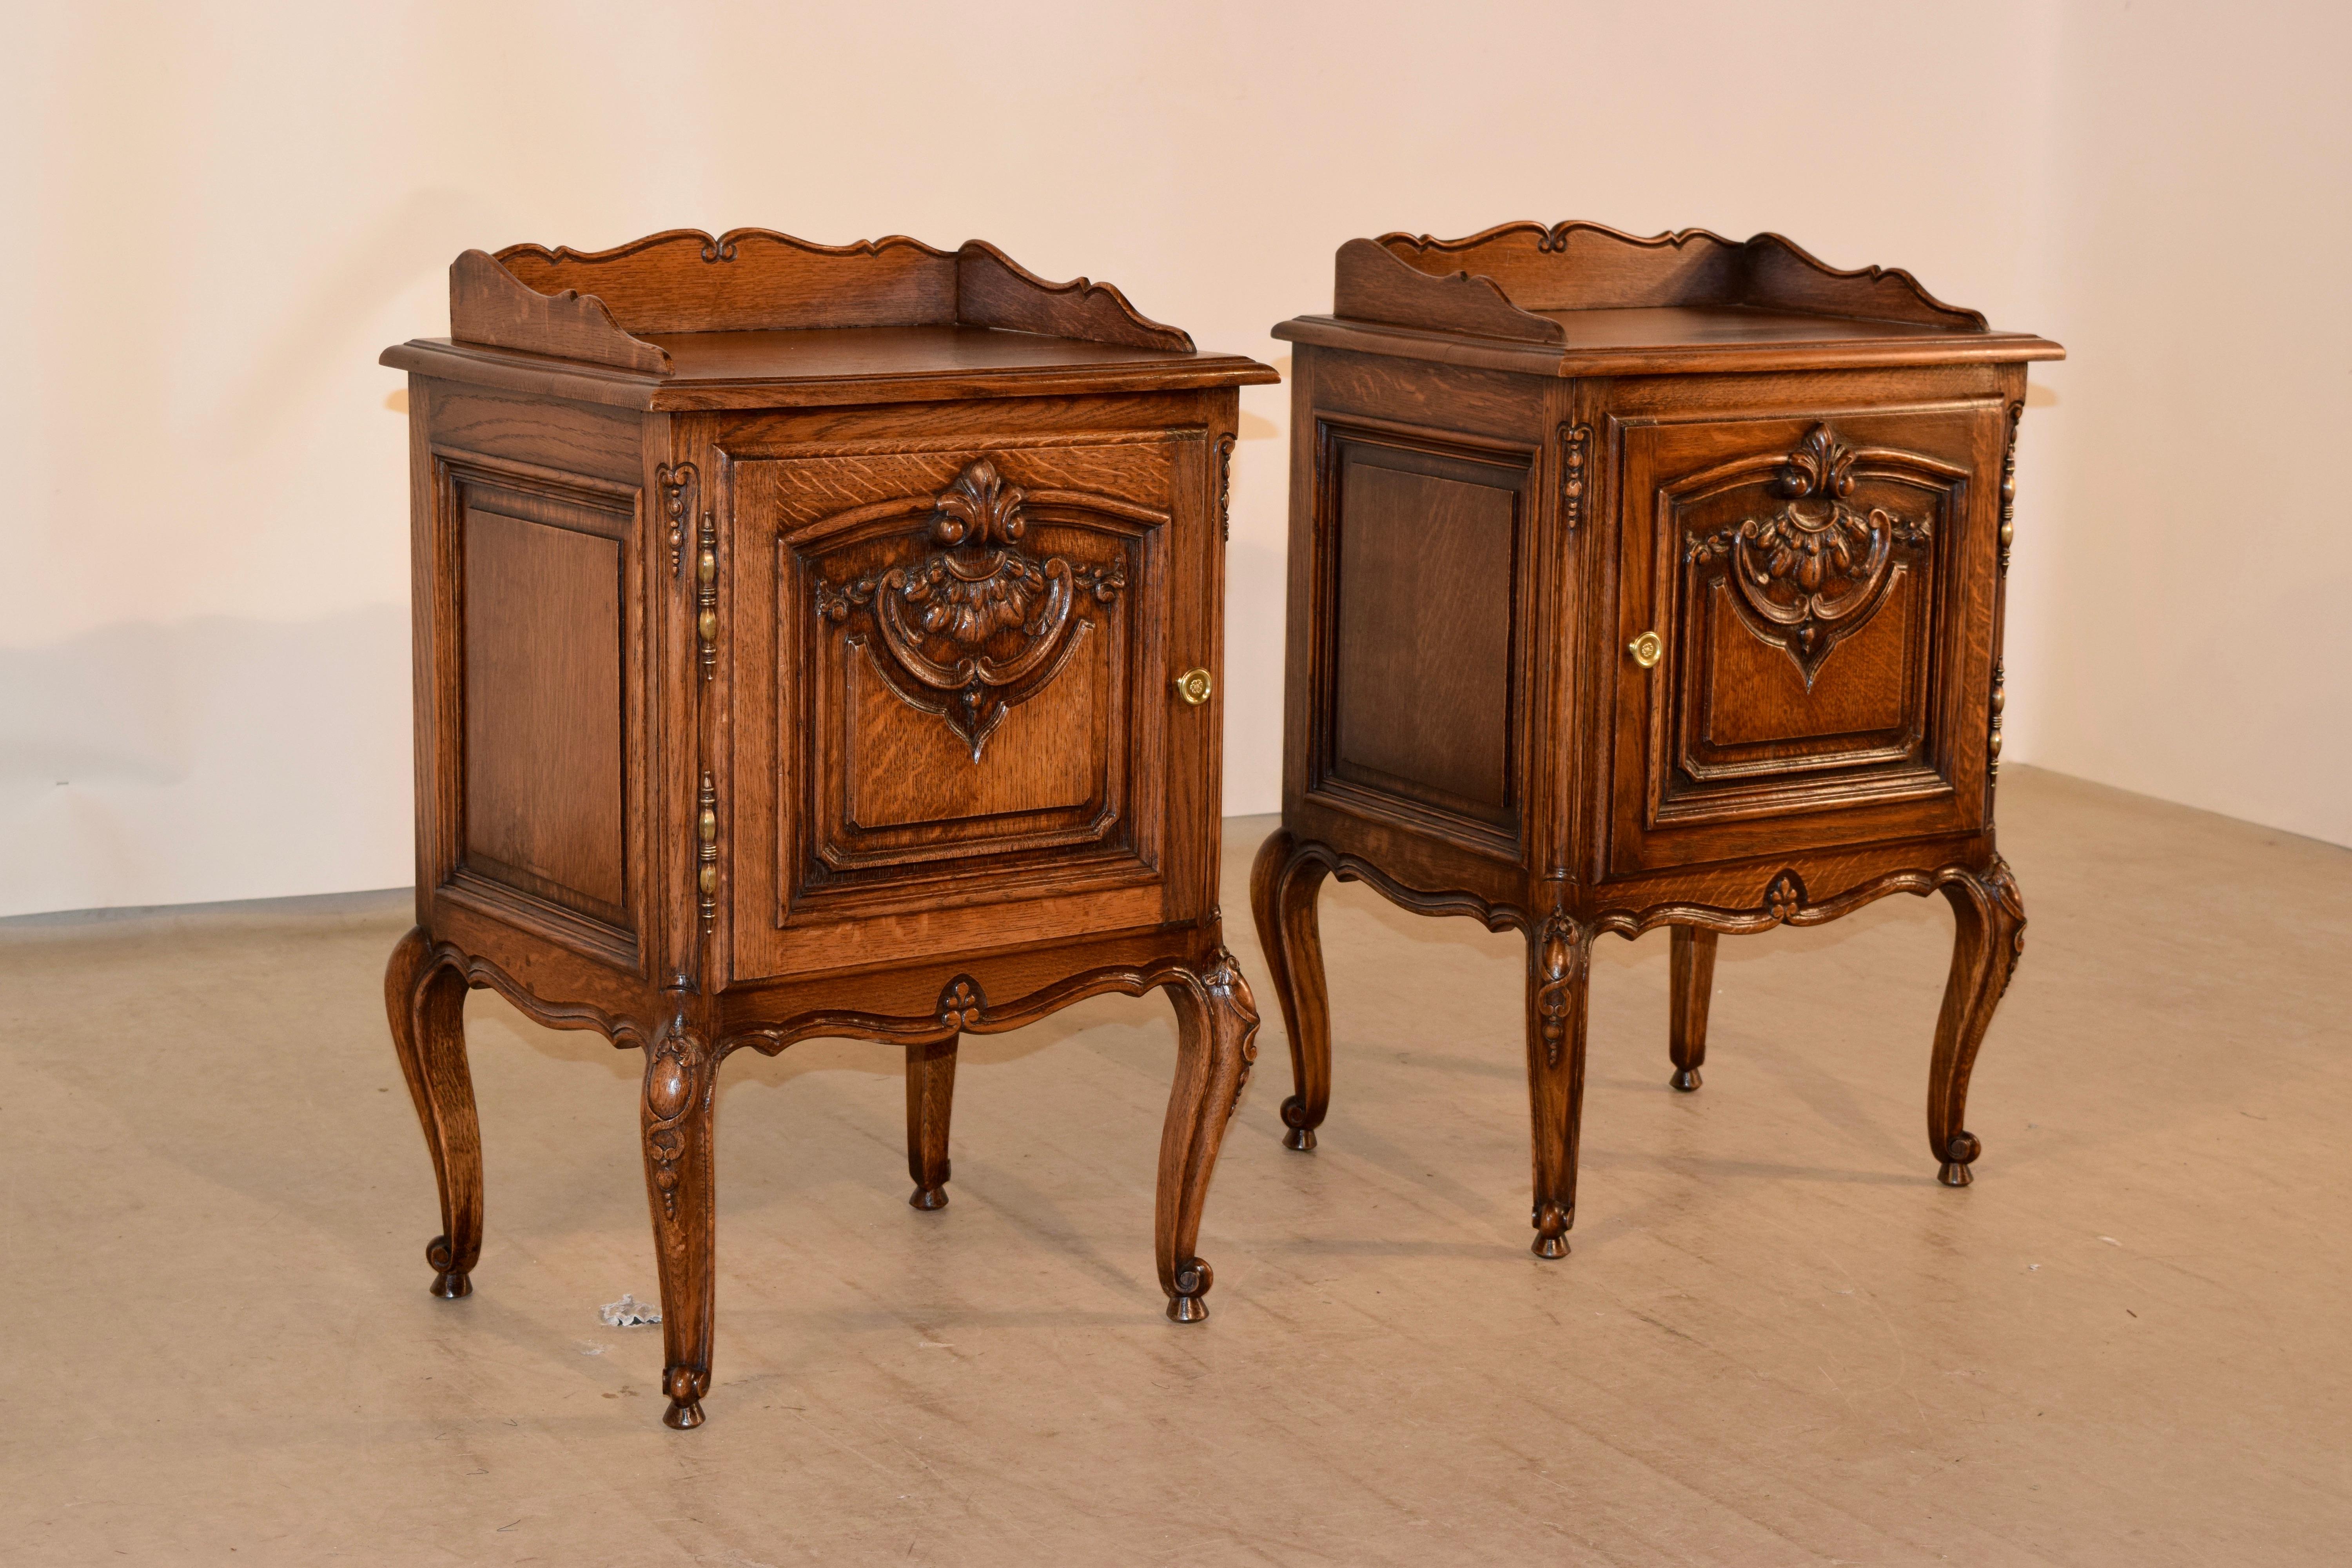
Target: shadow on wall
column 135, row 768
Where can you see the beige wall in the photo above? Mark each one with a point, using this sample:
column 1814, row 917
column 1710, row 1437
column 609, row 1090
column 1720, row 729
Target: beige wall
column 218, row 214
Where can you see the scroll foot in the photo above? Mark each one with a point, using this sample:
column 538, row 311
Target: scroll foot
column 1551, row 1232
column 1186, row 1305
column 686, row 1387
column 449, row 1283
column 1958, row 1156
column 1299, row 1137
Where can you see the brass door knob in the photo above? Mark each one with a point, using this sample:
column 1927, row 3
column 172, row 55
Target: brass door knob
column 1647, row 649
column 1194, row 687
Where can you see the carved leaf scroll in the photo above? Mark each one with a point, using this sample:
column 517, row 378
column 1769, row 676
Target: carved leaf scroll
column 1811, row 575
column 946, row 622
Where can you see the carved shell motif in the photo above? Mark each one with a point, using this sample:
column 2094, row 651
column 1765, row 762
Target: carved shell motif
column 1808, row 577
column 937, row 617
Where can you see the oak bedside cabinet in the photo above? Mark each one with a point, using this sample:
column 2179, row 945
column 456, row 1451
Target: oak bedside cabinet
column 810, row 640
column 1642, row 583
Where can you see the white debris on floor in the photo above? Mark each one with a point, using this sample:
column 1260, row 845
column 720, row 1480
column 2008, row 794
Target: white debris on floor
column 628, row 1312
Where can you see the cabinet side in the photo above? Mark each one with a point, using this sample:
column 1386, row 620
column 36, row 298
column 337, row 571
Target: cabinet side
column 1418, row 523
column 533, row 697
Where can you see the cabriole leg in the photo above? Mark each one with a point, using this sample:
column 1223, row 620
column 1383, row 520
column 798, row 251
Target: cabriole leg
column 1557, row 967
column 1988, row 916
column 425, row 1001
column 1283, row 888
column 680, row 1074
column 930, row 1097
column 1693, row 982
column 1216, row 1040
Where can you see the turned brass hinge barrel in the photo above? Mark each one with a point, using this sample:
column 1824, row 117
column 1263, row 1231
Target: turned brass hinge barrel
column 706, row 832
column 706, row 594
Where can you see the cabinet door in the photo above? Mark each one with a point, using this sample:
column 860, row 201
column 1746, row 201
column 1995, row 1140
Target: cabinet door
column 953, row 719
column 1820, row 591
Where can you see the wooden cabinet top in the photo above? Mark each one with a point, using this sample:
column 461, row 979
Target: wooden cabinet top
column 753, row 319
column 1576, row 298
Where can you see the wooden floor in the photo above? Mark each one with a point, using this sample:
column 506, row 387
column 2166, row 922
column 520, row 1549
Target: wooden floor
column 1778, row 1340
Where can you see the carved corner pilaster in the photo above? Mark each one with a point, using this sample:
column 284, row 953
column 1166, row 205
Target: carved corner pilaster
column 676, row 483
column 1225, row 485
column 2009, row 485
column 1575, row 443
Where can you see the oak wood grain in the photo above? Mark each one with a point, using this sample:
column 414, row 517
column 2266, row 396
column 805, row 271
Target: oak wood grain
column 544, row 777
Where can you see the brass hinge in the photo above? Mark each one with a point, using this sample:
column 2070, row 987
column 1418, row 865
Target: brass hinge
column 706, row 832
column 706, row 597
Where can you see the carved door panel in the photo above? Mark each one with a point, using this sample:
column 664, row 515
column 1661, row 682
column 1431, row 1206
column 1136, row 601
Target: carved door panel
column 1803, row 651
column 953, row 729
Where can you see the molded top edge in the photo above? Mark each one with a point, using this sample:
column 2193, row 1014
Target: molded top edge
column 721, row 248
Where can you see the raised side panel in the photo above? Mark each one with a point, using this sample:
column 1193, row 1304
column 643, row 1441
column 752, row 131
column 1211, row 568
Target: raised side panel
column 532, row 712
column 1415, row 712
column 1422, row 678
column 542, row 660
